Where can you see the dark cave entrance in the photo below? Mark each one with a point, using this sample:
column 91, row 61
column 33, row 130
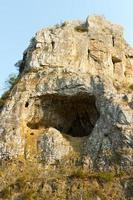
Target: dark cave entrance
column 75, row 116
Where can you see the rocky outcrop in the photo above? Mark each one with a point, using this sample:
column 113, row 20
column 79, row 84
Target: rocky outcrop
column 74, row 97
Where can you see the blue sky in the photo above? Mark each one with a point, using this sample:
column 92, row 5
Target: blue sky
column 20, row 19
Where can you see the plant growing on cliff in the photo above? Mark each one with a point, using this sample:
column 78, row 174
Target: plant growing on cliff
column 10, row 83
column 131, row 87
column 12, row 80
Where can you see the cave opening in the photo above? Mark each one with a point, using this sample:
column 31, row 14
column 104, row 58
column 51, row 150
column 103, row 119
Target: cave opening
column 75, row 116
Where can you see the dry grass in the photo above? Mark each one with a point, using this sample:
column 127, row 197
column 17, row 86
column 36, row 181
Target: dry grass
column 31, row 180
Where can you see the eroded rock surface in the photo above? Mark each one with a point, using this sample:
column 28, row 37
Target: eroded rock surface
column 74, row 95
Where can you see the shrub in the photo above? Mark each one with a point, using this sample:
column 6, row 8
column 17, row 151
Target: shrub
column 5, row 95
column 3, row 98
column 81, row 28
column 79, row 173
column 131, row 87
column 106, row 176
column 12, row 80
column 1, row 103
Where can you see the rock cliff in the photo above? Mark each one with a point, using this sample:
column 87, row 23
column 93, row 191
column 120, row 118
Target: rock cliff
column 66, row 128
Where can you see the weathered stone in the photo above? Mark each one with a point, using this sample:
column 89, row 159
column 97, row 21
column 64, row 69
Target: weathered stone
column 53, row 146
column 74, row 95
column 65, row 63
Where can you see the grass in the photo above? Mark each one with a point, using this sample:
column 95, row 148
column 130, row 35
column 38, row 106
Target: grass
column 106, row 176
column 30, row 180
column 5, row 193
column 84, row 174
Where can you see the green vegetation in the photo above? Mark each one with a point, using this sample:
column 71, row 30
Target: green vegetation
column 61, row 25
column 131, row 87
column 30, row 180
column 10, row 83
column 81, row 28
column 106, row 176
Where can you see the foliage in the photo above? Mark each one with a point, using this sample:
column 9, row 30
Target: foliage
column 12, row 80
column 31, row 180
column 3, row 98
column 106, row 176
column 10, row 83
column 83, row 174
column 1, row 103
column 131, row 87
column 61, row 25
column 81, row 28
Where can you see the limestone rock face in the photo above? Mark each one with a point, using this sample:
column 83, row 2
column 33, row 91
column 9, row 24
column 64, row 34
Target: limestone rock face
column 74, row 95
column 66, row 129
column 53, row 146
